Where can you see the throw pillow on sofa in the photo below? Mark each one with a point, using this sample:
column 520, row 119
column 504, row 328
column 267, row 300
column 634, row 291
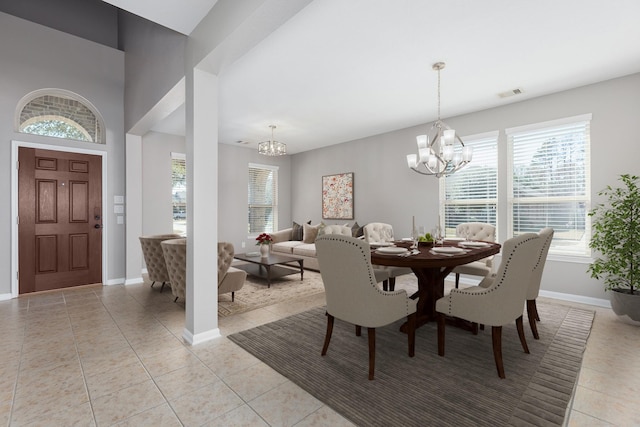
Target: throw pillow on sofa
column 297, row 232
column 311, row 232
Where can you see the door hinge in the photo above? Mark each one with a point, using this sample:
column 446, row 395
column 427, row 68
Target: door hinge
column 18, row 220
column 18, row 164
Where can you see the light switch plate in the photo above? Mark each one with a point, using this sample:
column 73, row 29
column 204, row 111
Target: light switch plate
column 120, row 219
column 118, row 200
column 118, row 209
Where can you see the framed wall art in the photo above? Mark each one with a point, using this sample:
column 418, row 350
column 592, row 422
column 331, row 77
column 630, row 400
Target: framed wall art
column 337, row 196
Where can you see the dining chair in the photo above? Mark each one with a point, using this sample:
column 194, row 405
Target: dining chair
column 546, row 234
column 475, row 231
column 502, row 302
column 379, row 232
column 154, row 258
column 353, row 296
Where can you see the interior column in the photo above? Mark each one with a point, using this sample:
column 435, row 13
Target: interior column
column 201, row 322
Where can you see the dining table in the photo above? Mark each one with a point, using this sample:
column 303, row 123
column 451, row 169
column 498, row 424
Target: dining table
column 431, row 266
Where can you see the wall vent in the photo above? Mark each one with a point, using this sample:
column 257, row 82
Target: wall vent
column 516, row 91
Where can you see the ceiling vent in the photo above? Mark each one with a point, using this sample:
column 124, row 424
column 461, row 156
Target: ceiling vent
column 516, row 91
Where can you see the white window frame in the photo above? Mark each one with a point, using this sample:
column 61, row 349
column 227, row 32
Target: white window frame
column 180, row 229
column 274, row 205
column 557, row 249
column 470, row 140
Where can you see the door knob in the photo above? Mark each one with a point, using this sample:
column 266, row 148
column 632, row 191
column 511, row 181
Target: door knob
column 97, row 226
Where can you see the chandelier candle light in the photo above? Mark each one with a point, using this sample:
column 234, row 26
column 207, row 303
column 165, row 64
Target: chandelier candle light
column 272, row 147
column 441, row 152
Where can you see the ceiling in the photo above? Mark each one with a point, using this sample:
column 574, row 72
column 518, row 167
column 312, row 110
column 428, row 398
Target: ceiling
column 343, row 70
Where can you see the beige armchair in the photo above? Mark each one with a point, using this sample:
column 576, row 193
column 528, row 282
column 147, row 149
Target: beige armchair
column 379, row 232
column 500, row 303
column 154, row 258
column 175, row 257
column 353, row 295
column 230, row 279
column 476, row 231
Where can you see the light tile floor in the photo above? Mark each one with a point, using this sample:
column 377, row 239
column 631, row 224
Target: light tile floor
column 114, row 355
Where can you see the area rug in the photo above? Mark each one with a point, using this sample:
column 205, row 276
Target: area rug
column 460, row 389
column 255, row 294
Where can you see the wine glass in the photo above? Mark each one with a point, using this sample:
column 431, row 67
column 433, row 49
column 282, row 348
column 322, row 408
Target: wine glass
column 438, row 235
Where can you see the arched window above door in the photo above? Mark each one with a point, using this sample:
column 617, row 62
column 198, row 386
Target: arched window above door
column 60, row 114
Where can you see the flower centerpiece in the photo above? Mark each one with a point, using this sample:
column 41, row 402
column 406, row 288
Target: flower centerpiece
column 264, row 240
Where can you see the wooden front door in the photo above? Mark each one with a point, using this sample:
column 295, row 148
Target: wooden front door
column 60, row 219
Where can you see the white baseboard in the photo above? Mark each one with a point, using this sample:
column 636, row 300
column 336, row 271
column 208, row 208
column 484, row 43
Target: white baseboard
column 134, row 281
column 4, row 297
column 598, row 302
column 118, row 281
column 200, row 338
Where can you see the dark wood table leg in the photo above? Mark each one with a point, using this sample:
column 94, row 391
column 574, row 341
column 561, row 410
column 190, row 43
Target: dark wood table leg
column 268, row 267
column 430, row 289
column 301, row 262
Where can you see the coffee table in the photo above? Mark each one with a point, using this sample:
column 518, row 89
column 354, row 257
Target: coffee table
column 270, row 267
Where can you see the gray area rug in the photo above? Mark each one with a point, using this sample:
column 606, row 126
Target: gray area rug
column 460, row 389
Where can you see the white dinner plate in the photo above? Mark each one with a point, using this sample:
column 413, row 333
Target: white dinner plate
column 474, row 244
column 447, row 250
column 380, row 244
column 391, row 250
column 453, row 239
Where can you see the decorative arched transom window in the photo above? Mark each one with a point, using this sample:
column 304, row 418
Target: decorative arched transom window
column 59, row 114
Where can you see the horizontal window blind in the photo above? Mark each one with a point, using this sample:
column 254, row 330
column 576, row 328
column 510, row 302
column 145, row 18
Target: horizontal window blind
column 471, row 194
column 549, row 184
column 263, row 199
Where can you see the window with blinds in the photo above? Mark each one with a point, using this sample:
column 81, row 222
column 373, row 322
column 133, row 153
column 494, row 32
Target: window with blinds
column 471, row 194
column 179, row 192
column 263, row 199
column 549, row 182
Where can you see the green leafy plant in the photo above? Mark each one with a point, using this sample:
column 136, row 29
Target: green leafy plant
column 616, row 236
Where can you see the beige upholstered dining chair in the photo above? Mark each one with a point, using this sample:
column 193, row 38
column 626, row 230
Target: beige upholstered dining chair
column 154, row 258
column 475, row 231
column 175, row 256
column 502, row 302
column 230, row 279
column 546, row 234
column 379, row 232
column 353, row 295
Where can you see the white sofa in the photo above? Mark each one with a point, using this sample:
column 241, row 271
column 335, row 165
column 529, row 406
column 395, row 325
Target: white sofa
column 282, row 243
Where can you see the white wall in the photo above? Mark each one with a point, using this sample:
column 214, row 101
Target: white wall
column 157, row 205
column 35, row 57
column 386, row 190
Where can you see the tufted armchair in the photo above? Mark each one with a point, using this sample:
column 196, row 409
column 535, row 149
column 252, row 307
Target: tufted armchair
column 154, row 258
column 230, row 279
column 546, row 234
column 379, row 232
column 175, row 256
column 353, row 295
column 476, row 231
column 500, row 303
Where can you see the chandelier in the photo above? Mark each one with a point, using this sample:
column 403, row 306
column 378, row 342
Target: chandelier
column 440, row 152
column 272, row 147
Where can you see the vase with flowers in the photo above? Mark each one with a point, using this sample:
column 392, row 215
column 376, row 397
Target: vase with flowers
column 264, row 241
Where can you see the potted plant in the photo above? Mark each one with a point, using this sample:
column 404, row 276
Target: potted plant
column 616, row 236
column 264, row 240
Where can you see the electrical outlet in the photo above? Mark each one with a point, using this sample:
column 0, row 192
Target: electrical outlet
column 244, row 244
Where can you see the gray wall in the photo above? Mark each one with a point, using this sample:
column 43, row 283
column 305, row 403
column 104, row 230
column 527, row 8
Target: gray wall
column 233, row 178
column 387, row 191
column 35, row 57
column 157, row 205
column 154, row 63
column 93, row 20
